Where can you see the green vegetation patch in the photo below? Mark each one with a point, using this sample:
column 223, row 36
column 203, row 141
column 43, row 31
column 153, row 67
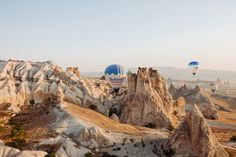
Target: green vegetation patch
column 88, row 154
column 17, row 132
column 2, row 129
column 50, row 155
column 17, row 143
column 106, row 154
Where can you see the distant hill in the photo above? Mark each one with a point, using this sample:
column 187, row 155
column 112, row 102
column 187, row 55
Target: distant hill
column 184, row 74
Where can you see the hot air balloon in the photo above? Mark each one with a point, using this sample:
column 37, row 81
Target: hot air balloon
column 115, row 76
column 214, row 87
column 194, row 67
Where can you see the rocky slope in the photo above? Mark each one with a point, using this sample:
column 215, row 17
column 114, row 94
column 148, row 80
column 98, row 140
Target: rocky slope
column 196, row 96
column 193, row 137
column 47, row 93
column 24, row 83
column 44, row 108
column 69, row 130
column 12, row 152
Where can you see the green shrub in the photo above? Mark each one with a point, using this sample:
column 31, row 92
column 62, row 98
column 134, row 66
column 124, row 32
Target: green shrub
column 17, row 132
column 93, row 107
column 116, row 149
column 233, row 139
column 2, row 129
column 169, row 152
column 88, row 154
column 151, row 125
column 17, row 143
column 32, row 102
column 132, row 140
column 108, row 155
column 50, row 155
column 113, row 110
column 12, row 122
column 171, row 127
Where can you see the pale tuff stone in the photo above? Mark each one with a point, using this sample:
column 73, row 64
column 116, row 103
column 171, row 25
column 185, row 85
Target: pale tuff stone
column 194, row 137
column 148, row 100
column 196, row 96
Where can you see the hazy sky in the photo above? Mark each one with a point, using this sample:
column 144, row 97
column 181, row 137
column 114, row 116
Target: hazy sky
column 92, row 34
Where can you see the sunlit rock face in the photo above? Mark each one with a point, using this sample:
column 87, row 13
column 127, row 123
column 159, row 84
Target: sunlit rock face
column 193, row 137
column 59, row 101
column 148, row 100
column 23, row 83
column 179, row 107
column 196, row 96
column 12, row 152
column 74, row 70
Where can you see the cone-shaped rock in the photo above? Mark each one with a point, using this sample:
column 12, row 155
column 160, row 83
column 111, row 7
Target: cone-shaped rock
column 148, row 100
column 193, row 137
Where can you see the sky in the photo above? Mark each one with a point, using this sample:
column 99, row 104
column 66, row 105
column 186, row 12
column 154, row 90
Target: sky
column 92, row 34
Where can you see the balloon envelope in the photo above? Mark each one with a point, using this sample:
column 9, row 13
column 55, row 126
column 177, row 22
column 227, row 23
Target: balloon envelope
column 194, row 67
column 115, row 76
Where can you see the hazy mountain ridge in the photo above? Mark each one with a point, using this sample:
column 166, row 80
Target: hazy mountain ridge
column 184, row 74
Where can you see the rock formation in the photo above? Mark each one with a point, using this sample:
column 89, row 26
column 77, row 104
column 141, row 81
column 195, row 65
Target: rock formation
column 70, row 149
column 179, row 107
column 74, row 70
column 193, row 137
column 196, row 96
column 31, row 83
column 148, row 100
column 71, row 115
column 115, row 117
column 12, row 152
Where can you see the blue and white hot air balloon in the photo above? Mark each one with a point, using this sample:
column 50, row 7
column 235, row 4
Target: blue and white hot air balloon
column 115, row 76
column 194, row 67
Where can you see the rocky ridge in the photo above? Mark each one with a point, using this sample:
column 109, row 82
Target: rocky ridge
column 59, row 101
column 21, row 82
column 196, row 96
